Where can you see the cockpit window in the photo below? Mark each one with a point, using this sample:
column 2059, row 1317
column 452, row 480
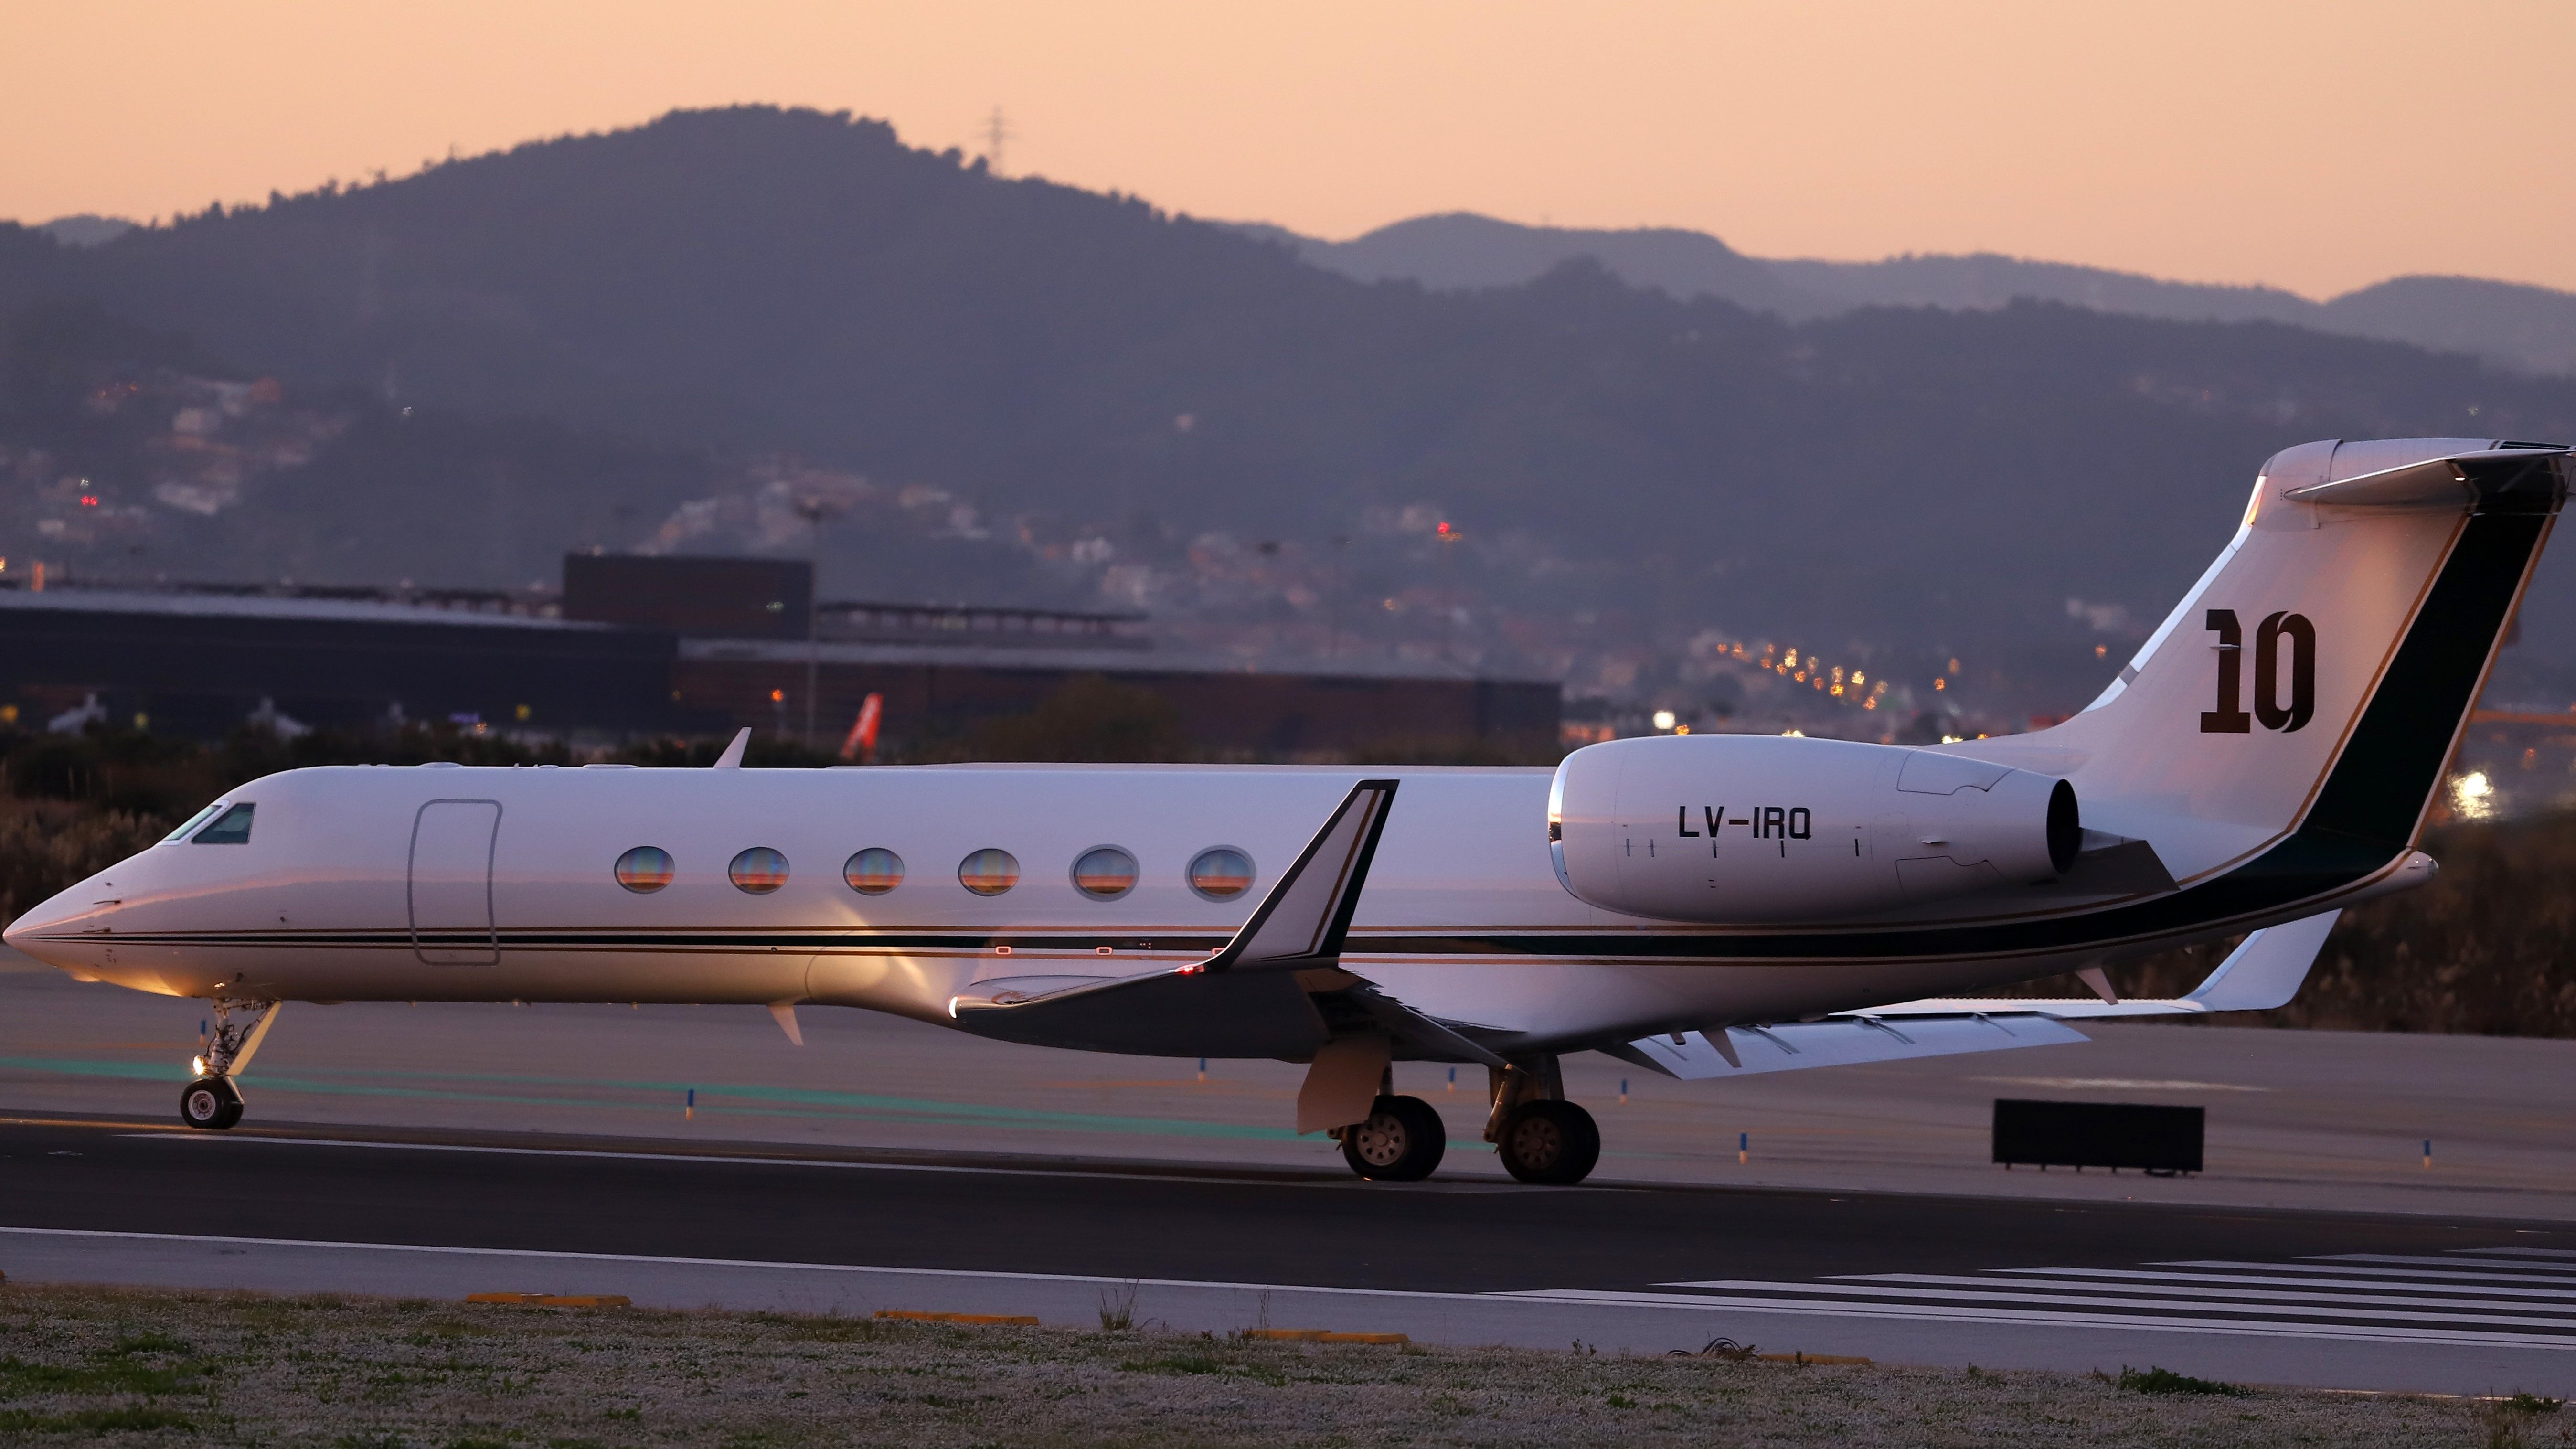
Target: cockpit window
column 230, row 828
column 191, row 823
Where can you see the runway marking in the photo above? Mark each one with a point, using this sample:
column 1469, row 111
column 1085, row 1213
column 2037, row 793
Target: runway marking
column 2413, row 1258
column 1333, row 1182
column 2098, row 1299
column 1929, row 1313
column 2103, row 1281
column 2133, row 1274
column 1773, row 1299
column 2397, row 1273
column 2454, row 1303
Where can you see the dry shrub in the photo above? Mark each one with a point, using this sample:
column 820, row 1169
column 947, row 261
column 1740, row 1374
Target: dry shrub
column 46, row 845
column 2489, row 948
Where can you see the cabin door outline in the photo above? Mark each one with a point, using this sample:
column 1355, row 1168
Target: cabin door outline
column 448, row 886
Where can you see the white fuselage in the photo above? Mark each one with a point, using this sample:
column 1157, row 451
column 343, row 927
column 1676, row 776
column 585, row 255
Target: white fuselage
column 340, row 894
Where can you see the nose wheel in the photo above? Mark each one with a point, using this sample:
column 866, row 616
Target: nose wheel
column 211, row 1103
column 1402, row 1141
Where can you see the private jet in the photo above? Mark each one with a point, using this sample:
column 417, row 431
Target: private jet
column 1708, row 906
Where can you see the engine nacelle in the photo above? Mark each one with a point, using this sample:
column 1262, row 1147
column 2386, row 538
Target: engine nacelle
column 1752, row 828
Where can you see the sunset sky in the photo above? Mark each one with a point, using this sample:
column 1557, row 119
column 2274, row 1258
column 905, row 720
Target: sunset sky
column 2317, row 146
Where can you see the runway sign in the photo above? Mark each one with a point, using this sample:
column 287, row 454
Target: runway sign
column 2097, row 1134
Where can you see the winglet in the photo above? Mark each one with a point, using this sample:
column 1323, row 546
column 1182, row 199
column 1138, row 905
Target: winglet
column 1305, row 918
column 731, row 759
column 2266, row 971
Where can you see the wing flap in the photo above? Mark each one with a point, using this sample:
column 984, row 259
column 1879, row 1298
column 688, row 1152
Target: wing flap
column 1744, row 1051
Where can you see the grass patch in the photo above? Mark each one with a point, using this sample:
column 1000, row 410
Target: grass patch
column 379, row 1374
column 94, row 1421
column 2166, row 1381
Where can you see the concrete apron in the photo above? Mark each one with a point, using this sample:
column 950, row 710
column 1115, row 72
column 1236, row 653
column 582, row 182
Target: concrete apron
column 1559, row 1320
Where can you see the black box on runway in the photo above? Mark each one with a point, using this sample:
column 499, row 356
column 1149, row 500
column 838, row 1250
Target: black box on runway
column 2098, row 1134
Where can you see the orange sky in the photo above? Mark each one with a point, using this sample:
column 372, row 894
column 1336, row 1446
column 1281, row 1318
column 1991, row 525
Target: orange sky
column 2318, row 146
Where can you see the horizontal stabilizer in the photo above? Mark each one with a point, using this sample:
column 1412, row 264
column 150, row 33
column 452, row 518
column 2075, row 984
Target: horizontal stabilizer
column 1744, row 1051
column 2459, row 480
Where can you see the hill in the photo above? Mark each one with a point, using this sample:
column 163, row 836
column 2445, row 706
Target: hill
column 2524, row 327
column 1005, row 386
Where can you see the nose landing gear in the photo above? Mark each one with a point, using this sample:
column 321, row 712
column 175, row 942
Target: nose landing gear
column 211, row 1102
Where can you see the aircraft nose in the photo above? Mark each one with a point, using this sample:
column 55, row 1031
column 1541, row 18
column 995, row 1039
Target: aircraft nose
column 55, row 917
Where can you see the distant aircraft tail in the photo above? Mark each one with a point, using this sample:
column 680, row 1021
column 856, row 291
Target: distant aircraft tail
column 2302, row 701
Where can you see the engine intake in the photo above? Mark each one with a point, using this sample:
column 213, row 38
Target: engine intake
column 1757, row 828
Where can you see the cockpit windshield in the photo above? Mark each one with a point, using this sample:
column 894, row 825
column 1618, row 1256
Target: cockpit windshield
column 230, row 828
column 191, row 823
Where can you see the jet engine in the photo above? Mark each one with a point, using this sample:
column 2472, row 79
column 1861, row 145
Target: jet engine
column 1755, row 828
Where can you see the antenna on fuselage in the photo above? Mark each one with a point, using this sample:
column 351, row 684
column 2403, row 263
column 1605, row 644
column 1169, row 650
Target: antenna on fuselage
column 731, row 759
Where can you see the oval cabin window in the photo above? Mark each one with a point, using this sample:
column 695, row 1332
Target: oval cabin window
column 989, row 872
column 1105, row 873
column 758, row 871
column 1221, row 874
column 645, row 869
column 873, row 871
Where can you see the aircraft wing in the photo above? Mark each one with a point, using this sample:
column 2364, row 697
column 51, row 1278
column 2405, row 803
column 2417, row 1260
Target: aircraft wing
column 1276, row 990
column 2262, row 973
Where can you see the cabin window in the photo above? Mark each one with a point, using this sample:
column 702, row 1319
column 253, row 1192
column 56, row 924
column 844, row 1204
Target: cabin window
column 1221, row 874
column 1104, row 873
column 989, row 872
column 758, row 871
column 230, row 828
column 192, row 822
column 645, row 869
column 873, row 871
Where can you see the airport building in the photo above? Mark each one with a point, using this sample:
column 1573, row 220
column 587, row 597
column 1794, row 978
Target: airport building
column 644, row 645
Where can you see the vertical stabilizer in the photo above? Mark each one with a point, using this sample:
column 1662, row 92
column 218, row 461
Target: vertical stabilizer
column 2316, row 678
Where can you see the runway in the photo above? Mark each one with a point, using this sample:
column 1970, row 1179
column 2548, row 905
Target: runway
column 440, row 1151
column 2337, row 1300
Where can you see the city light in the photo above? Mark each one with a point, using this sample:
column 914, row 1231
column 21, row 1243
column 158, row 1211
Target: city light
column 1665, row 720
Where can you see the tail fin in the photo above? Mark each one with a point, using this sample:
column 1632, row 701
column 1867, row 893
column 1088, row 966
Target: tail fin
column 2318, row 676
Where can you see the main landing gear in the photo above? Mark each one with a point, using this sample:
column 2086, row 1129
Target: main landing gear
column 212, row 1103
column 1402, row 1141
column 1540, row 1137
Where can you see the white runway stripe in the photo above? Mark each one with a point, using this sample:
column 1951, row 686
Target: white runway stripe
column 2136, row 1322
column 2257, row 1296
column 2102, row 1300
column 2567, row 1295
column 2427, row 1261
column 2357, row 1270
column 2477, row 1301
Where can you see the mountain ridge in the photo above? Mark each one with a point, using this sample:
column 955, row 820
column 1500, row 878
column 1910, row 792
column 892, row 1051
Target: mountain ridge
column 2527, row 327
column 1142, row 409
